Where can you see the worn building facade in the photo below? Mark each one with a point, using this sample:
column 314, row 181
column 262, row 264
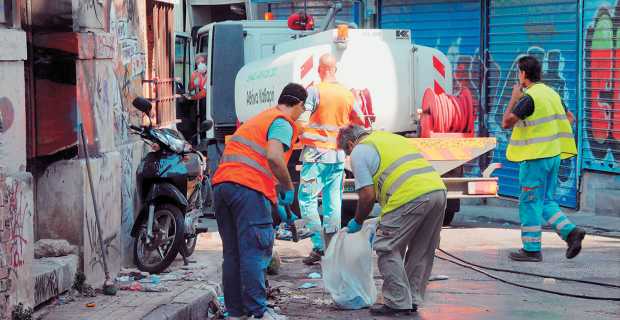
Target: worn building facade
column 67, row 66
column 16, row 183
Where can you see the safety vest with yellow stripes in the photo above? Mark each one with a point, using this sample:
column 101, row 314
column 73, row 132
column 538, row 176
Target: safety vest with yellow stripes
column 403, row 173
column 544, row 134
column 332, row 113
column 244, row 160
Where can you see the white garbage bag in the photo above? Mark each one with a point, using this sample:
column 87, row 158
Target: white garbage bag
column 348, row 268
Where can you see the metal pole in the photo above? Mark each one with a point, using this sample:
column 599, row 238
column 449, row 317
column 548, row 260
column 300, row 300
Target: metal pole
column 92, row 193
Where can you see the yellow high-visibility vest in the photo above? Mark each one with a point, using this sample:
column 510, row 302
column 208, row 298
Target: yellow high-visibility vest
column 403, row 173
column 544, row 134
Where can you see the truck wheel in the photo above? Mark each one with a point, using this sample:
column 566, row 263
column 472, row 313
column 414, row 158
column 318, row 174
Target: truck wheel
column 453, row 206
column 447, row 218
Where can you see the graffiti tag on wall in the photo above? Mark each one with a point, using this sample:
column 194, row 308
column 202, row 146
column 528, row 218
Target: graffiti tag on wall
column 602, row 91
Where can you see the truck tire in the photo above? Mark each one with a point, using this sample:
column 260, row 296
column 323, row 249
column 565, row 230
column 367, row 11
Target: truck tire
column 453, row 206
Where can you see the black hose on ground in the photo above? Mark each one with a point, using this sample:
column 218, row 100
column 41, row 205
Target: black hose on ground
column 477, row 268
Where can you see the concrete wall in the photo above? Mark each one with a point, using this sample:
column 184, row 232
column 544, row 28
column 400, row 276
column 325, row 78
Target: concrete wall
column 95, row 62
column 16, row 198
column 12, row 100
column 16, row 241
column 64, row 199
column 600, row 193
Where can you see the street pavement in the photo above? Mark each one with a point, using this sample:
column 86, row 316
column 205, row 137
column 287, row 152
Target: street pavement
column 469, row 295
column 465, row 295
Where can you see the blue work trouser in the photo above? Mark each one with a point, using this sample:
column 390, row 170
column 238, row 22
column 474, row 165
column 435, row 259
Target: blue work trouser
column 538, row 179
column 315, row 178
column 245, row 225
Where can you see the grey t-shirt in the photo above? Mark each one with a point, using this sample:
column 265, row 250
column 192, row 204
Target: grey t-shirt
column 365, row 162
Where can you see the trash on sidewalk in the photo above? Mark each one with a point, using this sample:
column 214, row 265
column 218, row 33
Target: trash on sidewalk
column 438, row 277
column 133, row 273
column 91, row 305
column 284, row 233
column 307, row 285
column 314, row 275
column 154, row 279
column 348, row 268
column 154, row 288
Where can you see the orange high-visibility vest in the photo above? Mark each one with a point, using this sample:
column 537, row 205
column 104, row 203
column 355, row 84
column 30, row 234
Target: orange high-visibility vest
column 197, row 82
column 244, row 160
column 333, row 112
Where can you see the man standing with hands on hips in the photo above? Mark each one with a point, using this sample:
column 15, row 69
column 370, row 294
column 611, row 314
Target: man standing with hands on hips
column 542, row 136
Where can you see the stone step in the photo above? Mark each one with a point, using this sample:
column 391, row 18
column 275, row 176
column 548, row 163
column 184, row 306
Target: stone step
column 53, row 276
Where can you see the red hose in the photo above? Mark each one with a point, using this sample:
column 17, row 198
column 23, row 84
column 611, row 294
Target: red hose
column 442, row 113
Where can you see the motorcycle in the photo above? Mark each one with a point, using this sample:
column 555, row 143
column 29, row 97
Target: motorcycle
column 176, row 194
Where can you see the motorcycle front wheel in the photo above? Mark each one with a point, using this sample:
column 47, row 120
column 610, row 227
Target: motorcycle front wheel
column 155, row 255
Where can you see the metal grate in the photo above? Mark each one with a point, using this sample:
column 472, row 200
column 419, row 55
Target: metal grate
column 160, row 87
column 545, row 29
column 601, row 86
column 451, row 26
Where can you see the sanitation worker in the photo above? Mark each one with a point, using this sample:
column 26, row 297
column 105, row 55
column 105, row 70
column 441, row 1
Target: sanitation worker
column 198, row 79
column 332, row 107
column 388, row 168
column 252, row 168
column 541, row 137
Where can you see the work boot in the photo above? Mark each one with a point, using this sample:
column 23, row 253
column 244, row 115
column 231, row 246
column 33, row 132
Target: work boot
column 270, row 314
column 527, row 256
column 383, row 310
column 574, row 242
column 314, row 257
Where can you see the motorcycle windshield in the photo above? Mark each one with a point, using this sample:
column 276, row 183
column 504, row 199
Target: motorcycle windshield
column 170, row 139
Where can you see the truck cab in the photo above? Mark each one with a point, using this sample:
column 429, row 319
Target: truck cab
column 229, row 46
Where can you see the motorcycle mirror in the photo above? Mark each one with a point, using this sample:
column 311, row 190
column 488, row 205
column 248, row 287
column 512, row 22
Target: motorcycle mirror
column 142, row 104
column 206, row 126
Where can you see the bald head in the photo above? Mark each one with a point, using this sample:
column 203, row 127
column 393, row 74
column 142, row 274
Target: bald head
column 327, row 67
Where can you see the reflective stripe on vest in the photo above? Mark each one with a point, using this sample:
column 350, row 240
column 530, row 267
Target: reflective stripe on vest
column 541, row 139
column 404, row 178
column 247, row 161
column 396, row 164
column 251, row 144
column 318, row 137
column 529, row 123
column 323, row 127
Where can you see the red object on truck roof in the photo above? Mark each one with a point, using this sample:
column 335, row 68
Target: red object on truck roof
column 300, row 21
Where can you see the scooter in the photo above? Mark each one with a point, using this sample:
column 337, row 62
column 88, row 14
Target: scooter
column 176, row 194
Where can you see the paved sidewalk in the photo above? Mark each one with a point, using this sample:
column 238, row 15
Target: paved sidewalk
column 187, row 299
column 507, row 215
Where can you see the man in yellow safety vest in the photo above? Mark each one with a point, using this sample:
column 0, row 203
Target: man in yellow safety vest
column 388, row 168
column 541, row 137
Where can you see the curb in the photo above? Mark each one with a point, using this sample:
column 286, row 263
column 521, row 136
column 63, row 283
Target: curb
column 509, row 217
column 192, row 304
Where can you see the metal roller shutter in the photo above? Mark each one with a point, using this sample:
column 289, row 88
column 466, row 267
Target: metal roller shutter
column 450, row 26
column 601, row 121
column 547, row 29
